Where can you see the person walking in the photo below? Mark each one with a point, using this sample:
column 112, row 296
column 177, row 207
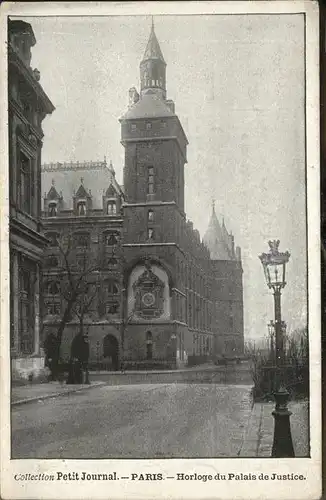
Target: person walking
column 51, row 355
column 79, row 356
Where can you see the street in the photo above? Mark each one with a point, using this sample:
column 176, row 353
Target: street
column 135, row 421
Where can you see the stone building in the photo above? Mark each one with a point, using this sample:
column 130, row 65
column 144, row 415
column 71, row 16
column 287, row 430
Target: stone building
column 177, row 298
column 28, row 106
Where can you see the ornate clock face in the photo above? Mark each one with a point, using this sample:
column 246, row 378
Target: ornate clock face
column 148, row 299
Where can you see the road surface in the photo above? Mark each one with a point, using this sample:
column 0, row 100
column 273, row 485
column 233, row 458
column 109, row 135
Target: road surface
column 134, row 421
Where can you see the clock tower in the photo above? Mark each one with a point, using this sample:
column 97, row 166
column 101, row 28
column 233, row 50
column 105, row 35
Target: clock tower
column 155, row 155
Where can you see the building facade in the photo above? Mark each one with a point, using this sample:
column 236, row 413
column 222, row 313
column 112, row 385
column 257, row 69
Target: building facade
column 28, row 106
column 178, row 298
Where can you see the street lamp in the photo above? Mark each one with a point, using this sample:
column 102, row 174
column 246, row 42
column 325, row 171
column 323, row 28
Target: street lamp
column 271, row 335
column 274, row 264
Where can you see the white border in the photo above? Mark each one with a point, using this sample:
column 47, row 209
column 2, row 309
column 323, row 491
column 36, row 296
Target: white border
column 311, row 468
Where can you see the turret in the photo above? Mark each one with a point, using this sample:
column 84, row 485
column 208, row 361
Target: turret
column 153, row 68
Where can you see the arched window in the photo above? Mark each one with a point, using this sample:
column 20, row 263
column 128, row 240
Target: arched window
column 53, row 288
column 111, row 239
column 111, row 208
column 52, row 209
column 81, row 208
column 151, row 234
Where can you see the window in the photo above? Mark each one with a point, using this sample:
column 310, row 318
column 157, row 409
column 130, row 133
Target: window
column 150, row 180
column 53, row 239
column 111, row 208
column 112, row 308
column 53, row 288
column 26, row 309
column 52, row 209
column 149, row 345
column 112, row 262
column 81, row 262
column 150, row 216
column 81, row 208
column 25, row 184
column 111, row 239
column 51, row 261
column 53, row 309
column 133, row 126
column 148, row 124
column 151, row 234
column 231, row 318
column 81, row 239
column 112, row 288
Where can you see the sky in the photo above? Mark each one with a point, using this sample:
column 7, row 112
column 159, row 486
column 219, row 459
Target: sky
column 238, row 85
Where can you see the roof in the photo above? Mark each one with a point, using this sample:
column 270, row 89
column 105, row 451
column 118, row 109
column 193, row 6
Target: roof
column 67, row 178
column 149, row 106
column 153, row 50
column 217, row 239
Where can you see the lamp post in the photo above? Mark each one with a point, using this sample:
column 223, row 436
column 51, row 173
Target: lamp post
column 274, row 264
column 271, row 336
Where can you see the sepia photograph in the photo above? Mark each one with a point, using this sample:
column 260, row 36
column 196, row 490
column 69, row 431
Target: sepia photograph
column 158, row 235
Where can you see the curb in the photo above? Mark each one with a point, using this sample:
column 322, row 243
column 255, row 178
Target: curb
column 252, row 437
column 56, row 394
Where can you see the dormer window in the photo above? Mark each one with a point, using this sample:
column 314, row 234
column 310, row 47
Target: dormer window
column 53, row 288
column 52, row 209
column 81, row 208
column 111, row 208
column 112, row 262
column 111, row 239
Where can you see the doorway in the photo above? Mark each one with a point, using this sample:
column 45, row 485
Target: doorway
column 111, row 352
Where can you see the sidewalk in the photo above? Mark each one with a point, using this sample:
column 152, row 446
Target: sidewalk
column 35, row 392
column 258, row 440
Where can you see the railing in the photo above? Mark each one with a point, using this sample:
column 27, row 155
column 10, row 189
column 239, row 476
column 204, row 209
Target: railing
column 295, row 377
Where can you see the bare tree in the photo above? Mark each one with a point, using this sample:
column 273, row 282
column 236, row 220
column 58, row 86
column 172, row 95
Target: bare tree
column 78, row 277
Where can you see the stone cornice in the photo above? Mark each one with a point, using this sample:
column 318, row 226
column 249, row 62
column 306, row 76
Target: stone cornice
column 74, row 166
column 74, row 220
column 155, row 139
column 151, row 245
column 26, row 72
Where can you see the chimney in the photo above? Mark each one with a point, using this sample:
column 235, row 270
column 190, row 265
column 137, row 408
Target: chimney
column 170, row 104
column 133, row 96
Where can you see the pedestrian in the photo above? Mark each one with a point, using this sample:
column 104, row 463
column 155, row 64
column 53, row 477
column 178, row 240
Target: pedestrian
column 51, row 355
column 79, row 356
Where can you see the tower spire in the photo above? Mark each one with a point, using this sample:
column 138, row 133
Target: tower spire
column 153, row 67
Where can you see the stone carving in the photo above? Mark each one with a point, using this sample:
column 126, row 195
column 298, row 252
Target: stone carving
column 149, row 294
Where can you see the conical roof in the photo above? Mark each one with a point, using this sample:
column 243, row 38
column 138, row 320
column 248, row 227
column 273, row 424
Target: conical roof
column 215, row 240
column 153, row 49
